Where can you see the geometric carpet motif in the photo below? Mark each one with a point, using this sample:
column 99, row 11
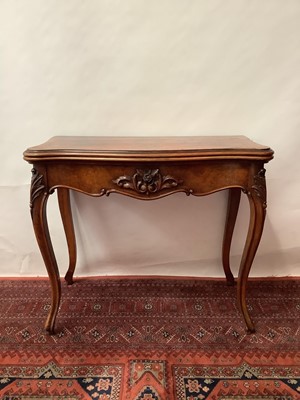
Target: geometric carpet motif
column 157, row 312
column 150, row 338
column 246, row 381
column 172, row 377
column 101, row 382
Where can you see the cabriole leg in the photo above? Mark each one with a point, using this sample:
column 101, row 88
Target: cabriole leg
column 234, row 195
column 38, row 203
column 257, row 201
column 63, row 195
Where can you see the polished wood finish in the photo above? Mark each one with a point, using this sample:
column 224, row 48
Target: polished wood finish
column 148, row 168
column 63, row 196
column 234, row 196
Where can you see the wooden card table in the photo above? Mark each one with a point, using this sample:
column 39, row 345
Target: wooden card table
column 148, row 168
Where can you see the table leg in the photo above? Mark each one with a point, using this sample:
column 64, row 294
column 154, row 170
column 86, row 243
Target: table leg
column 63, row 195
column 38, row 205
column 234, row 195
column 257, row 203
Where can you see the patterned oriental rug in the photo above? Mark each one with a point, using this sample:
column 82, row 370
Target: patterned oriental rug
column 150, row 339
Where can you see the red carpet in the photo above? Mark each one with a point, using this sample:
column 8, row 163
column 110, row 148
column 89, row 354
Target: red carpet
column 139, row 339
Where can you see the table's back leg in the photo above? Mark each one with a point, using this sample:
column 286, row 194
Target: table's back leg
column 40, row 225
column 234, row 195
column 257, row 218
column 63, row 195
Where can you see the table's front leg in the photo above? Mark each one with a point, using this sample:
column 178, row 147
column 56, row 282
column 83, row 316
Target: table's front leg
column 38, row 203
column 257, row 201
column 234, row 197
column 63, row 195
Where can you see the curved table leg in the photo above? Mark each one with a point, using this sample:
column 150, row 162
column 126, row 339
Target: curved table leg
column 257, row 218
column 63, row 195
column 234, row 196
column 40, row 225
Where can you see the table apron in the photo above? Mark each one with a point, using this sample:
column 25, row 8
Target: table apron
column 149, row 180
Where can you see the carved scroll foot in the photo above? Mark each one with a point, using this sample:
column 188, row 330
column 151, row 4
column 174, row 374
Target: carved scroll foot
column 257, row 201
column 63, row 195
column 234, row 196
column 39, row 218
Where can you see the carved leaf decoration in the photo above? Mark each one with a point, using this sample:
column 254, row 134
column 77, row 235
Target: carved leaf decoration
column 124, row 181
column 147, row 181
column 169, row 182
column 37, row 186
column 259, row 186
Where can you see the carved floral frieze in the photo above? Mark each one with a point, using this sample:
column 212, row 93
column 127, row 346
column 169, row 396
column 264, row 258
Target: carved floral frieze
column 147, row 181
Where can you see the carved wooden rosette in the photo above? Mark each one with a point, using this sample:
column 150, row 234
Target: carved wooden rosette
column 36, row 188
column 259, row 187
column 147, row 181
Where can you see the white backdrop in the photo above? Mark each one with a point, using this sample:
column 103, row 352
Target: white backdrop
column 135, row 67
